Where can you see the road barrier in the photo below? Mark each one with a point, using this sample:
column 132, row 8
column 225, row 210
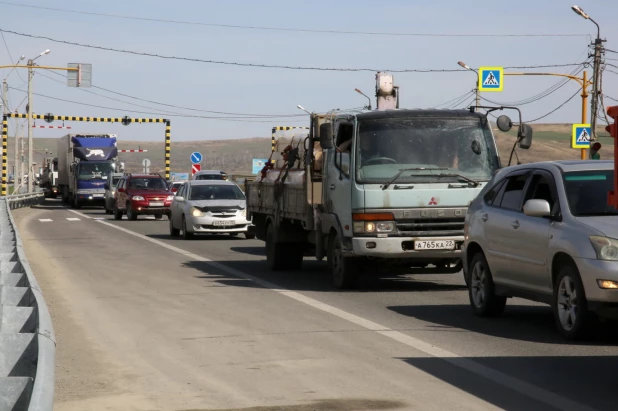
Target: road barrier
column 24, row 200
column 27, row 340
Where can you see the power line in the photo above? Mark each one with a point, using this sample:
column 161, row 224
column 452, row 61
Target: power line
column 234, row 26
column 254, row 65
column 148, row 112
column 556, row 109
column 180, row 107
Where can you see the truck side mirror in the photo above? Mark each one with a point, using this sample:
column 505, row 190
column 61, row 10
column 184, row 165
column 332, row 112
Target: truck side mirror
column 326, row 136
column 504, row 123
column 525, row 137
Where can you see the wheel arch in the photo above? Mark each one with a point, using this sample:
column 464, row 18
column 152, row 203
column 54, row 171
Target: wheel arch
column 558, row 261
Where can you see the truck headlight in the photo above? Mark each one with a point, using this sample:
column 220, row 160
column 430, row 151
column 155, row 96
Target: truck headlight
column 137, row 198
column 606, row 248
column 367, row 223
column 113, row 193
column 196, row 213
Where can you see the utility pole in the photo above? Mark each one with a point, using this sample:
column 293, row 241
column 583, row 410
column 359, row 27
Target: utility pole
column 5, row 110
column 477, row 92
column 29, row 112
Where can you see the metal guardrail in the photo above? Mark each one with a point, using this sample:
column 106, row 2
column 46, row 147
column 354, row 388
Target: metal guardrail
column 24, row 200
column 27, row 340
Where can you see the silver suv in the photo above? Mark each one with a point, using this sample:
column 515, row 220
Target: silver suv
column 545, row 232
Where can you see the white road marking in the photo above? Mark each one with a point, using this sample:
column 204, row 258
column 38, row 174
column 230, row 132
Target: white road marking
column 45, row 220
column 515, row 384
column 78, row 213
column 73, row 219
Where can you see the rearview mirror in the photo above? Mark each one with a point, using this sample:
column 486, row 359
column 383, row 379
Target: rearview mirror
column 504, row 123
column 179, row 198
column 537, row 208
column 525, row 138
column 326, row 136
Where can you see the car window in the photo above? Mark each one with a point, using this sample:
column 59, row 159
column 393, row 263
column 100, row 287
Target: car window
column 586, row 192
column 541, row 188
column 210, row 177
column 139, row 183
column 181, row 191
column 513, row 193
column 493, row 192
column 216, row 192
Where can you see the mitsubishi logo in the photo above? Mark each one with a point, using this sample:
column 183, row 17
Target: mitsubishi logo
column 433, row 201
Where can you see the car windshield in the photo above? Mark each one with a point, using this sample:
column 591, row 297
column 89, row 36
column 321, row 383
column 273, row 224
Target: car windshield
column 148, row 184
column 89, row 171
column 210, row 177
column 216, row 192
column 449, row 146
column 587, row 192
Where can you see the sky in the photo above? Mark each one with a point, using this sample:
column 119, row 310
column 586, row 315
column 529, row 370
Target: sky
column 200, row 87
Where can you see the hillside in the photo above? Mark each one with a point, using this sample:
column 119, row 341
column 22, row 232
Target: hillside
column 550, row 142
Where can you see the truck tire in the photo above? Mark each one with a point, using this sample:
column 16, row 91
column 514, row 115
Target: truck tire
column 343, row 269
column 76, row 203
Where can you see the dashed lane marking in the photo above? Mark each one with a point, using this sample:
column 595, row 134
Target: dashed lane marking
column 45, row 220
column 73, row 219
column 529, row 390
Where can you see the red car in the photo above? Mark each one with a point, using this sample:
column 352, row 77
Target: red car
column 142, row 194
column 176, row 186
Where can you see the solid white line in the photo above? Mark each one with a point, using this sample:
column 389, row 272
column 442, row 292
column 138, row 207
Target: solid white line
column 73, row 219
column 522, row 387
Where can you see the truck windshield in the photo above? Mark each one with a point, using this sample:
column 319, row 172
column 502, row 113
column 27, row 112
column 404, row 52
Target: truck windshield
column 451, row 146
column 89, row 171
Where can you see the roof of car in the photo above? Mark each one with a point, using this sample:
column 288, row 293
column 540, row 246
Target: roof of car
column 211, row 182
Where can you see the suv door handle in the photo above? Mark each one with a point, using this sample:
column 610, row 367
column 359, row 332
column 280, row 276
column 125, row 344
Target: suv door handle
column 332, row 186
column 515, row 224
column 485, row 217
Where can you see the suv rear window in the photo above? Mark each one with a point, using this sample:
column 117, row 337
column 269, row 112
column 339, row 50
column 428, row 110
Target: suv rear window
column 146, row 183
column 210, row 177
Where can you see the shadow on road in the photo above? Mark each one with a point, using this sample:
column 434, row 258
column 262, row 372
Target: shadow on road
column 315, row 277
column 249, row 250
column 585, row 380
column 519, row 322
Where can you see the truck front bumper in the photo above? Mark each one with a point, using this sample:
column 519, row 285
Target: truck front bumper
column 402, row 247
column 90, row 196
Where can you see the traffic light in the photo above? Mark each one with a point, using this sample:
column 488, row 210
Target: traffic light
column 612, row 129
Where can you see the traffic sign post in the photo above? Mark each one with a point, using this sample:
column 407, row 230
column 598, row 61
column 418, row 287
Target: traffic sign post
column 196, row 157
column 491, row 78
column 146, row 164
column 580, row 136
column 195, row 168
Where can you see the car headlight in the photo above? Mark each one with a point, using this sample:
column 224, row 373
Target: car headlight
column 137, row 198
column 196, row 213
column 243, row 212
column 170, row 198
column 606, row 248
column 113, row 193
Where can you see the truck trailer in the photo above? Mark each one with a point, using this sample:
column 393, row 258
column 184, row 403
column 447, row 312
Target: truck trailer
column 84, row 162
column 376, row 191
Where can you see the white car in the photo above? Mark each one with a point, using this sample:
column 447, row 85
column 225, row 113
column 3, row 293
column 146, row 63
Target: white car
column 210, row 207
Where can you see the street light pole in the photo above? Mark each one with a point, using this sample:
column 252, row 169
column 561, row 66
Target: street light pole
column 30, row 113
column 476, row 84
column 596, row 72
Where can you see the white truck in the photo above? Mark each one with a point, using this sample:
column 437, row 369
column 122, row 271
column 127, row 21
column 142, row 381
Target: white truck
column 376, row 190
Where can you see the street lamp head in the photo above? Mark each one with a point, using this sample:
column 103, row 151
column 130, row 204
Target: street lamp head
column 580, row 11
column 302, row 108
column 22, row 57
column 464, row 65
column 45, row 52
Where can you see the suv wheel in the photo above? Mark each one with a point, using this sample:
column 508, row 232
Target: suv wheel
column 185, row 234
column 131, row 214
column 570, row 306
column 481, row 290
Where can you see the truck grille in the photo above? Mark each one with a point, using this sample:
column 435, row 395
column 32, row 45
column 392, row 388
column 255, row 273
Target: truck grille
column 426, row 227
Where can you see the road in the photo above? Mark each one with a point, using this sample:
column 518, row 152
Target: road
column 149, row 322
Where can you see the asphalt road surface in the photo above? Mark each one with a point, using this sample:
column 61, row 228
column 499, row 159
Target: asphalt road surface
column 149, row 322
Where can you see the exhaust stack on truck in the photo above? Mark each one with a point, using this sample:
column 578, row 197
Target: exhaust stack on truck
column 84, row 161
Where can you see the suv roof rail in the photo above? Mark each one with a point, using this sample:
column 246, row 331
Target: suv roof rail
column 143, row 174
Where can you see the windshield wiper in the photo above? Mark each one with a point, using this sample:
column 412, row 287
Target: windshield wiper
column 459, row 176
column 385, row 186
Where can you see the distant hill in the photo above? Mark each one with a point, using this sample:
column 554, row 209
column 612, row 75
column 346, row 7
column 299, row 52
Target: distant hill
column 550, row 142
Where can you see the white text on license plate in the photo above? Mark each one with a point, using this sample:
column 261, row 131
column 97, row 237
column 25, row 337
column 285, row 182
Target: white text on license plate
column 224, row 223
column 434, row 245
column 156, row 204
column 98, row 195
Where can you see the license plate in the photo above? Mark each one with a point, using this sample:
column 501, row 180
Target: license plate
column 156, row 204
column 98, row 195
column 434, row 245
column 223, row 223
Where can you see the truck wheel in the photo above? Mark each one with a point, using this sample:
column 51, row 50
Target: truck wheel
column 343, row 269
column 76, row 203
column 274, row 251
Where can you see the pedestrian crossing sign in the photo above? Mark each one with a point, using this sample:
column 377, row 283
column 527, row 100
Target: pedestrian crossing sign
column 580, row 136
column 491, row 78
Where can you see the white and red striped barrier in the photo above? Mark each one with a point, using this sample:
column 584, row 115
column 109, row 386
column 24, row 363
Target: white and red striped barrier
column 51, row 127
column 132, row 151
